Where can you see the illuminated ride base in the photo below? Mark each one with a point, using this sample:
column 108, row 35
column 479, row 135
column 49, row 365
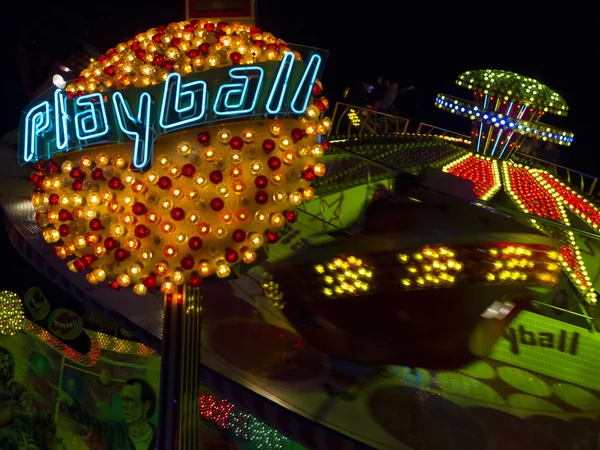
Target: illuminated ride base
column 253, row 357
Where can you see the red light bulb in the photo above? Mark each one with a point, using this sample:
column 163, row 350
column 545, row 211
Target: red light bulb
column 216, row 204
column 261, row 181
column 187, row 262
column 195, row 243
column 165, row 183
column 274, row 163
column 261, row 197
column 216, row 176
column 115, row 183
column 177, row 213
column 268, row 145
column 141, row 231
column 231, row 255
column 236, row 143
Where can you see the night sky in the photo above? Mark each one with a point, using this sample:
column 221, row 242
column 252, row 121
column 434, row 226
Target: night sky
column 413, row 43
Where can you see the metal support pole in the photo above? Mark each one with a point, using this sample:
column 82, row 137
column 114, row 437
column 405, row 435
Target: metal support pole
column 180, row 370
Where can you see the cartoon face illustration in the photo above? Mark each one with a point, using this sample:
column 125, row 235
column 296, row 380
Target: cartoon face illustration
column 7, row 367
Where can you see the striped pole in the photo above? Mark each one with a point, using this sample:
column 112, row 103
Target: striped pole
column 180, row 370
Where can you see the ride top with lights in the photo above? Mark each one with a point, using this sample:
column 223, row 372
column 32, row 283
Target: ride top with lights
column 215, row 193
column 505, row 113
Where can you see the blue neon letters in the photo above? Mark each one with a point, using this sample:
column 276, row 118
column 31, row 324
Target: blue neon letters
column 58, row 124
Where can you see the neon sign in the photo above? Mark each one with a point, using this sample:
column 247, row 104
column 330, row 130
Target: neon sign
column 55, row 124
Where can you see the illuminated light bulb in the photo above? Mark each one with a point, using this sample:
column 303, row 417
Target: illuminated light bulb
column 242, row 215
column 235, row 157
column 235, row 170
column 224, row 136
column 317, row 151
column 152, row 177
column 275, row 128
column 226, row 217
column 167, row 204
column 182, row 238
column 77, row 214
column 248, row 255
column 123, row 280
column 289, row 157
column 56, row 183
column 279, row 196
column 76, row 200
column 85, row 161
column 204, row 269
column 114, row 206
column 79, row 242
column 170, row 251
column 212, row 61
column 219, row 231
column 152, row 217
column 177, row 192
column 209, row 153
column 310, row 129
column 91, row 238
column 184, row 148
column 256, row 167
column 320, row 169
column 223, row 269
column 134, row 270
column 69, row 248
column 47, row 184
column 202, row 180
column 161, row 269
column 295, row 198
column 326, row 123
column 203, row 229
column 93, row 199
column 118, row 161
column 277, row 178
column 102, row 159
column 138, row 187
column 127, row 179
column 174, row 171
column 272, row 55
column 321, row 129
column 116, row 230
column 52, row 216
column 255, row 240
column 167, row 287
column 222, row 191
column 285, row 143
column 131, row 243
column 60, row 252
column 140, row 289
column 261, row 217
column 164, row 160
column 106, row 196
column 128, row 219
column 99, row 250
column 167, row 227
column 304, row 151
column 308, row 193
column 312, row 112
column 177, row 277
column 66, row 166
column 248, row 135
column 277, row 220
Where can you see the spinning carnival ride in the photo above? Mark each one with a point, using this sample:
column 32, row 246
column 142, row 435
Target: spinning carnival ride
column 150, row 188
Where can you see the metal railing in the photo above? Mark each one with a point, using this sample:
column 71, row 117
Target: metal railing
column 349, row 119
column 452, row 136
column 586, row 183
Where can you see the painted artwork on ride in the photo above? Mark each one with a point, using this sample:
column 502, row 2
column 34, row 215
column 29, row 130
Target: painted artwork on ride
column 50, row 402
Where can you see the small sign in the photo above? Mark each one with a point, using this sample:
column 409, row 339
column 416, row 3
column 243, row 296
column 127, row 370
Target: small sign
column 231, row 10
column 65, row 324
column 551, row 347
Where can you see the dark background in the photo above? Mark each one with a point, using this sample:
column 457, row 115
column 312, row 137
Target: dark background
column 415, row 43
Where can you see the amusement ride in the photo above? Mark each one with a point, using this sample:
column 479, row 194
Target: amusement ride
column 191, row 183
